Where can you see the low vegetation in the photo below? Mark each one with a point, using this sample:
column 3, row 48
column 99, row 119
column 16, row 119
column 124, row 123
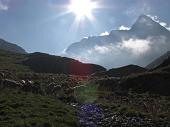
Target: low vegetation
column 18, row 109
column 48, row 100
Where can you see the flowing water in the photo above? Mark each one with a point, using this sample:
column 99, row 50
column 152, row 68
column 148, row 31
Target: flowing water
column 90, row 115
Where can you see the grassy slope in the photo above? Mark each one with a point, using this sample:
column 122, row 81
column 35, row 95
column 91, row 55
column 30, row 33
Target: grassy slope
column 150, row 106
column 86, row 93
column 11, row 62
column 155, row 107
column 20, row 109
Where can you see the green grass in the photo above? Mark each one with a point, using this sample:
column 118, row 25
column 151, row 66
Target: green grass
column 87, row 93
column 11, row 62
column 156, row 107
column 18, row 109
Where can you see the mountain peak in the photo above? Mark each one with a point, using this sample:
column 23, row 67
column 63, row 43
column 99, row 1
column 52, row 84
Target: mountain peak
column 145, row 26
column 144, row 17
column 144, row 21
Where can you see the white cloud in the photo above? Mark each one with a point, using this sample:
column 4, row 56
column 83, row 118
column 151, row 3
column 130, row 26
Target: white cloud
column 135, row 46
column 3, row 6
column 85, row 37
column 156, row 19
column 124, row 28
column 104, row 34
column 131, row 51
column 103, row 49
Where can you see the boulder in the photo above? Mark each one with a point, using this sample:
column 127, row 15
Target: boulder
column 69, row 91
column 56, row 89
column 49, row 88
column 2, row 75
column 7, row 83
column 29, row 86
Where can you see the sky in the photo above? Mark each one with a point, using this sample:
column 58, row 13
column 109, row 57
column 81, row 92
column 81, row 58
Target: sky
column 45, row 25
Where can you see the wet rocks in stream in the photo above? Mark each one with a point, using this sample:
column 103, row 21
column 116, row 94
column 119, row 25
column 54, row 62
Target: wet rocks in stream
column 91, row 115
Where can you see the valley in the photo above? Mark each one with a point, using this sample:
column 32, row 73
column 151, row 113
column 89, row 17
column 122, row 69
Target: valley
column 126, row 97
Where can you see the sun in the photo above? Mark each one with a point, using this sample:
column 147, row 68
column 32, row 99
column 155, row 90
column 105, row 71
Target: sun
column 82, row 8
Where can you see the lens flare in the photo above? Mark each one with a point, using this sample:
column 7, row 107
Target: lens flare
column 82, row 8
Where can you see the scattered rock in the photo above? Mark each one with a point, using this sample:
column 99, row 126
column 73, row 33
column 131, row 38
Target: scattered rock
column 56, row 90
column 2, row 75
column 69, row 92
column 53, row 88
column 7, row 83
column 91, row 115
column 29, row 86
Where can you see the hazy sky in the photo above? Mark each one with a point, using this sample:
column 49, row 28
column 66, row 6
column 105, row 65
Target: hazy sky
column 44, row 25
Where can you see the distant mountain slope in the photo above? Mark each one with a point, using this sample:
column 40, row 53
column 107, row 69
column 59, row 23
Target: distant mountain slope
column 4, row 45
column 158, row 61
column 10, row 61
column 164, row 66
column 122, row 71
column 156, row 81
column 118, row 48
column 44, row 63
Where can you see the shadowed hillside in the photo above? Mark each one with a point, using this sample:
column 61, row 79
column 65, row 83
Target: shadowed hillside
column 44, row 63
column 154, row 82
column 158, row 61
column 49, row 99
column 122, row 71
column 164, row 65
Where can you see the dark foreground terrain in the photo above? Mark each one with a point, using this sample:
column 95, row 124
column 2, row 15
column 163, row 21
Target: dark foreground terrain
column 31, row 99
